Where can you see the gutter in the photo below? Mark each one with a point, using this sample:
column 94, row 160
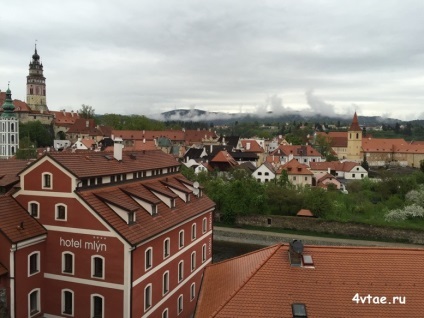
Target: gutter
column 12, row 281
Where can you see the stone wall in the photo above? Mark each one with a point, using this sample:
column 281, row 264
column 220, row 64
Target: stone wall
column 354, row 230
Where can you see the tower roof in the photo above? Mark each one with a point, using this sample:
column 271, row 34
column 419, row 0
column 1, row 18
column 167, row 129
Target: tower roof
column 35, row 56
column 8, row 107
column 355, row 124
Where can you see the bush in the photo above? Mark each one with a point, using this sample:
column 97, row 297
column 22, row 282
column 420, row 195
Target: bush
column 408, row 212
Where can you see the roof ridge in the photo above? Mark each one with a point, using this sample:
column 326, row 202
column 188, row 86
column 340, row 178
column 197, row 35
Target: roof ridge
column 277, row 248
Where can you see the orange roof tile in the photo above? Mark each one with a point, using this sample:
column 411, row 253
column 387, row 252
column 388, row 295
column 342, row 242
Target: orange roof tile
column 382, row 145
column 20, row 106
column 304, row 212
column 9, row 170
column 270, row 285
column 63, row 118
column 296, row 150
column 12, row 216
column 93, row 164
column 293, row 167
column 145, row 225
column 196, row 136
column 251, row 145
column 224, row 156
column 345, row 166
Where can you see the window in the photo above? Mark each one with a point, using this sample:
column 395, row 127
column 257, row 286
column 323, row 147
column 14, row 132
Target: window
column 165, row 283
column 68, row 263
column 33, row 263
column 353, row 175
column 203, row 253
column 181, row 239
column 294, row 178
column 97, row 306
column 180, row 271
column 97, row 268
column 148, row 297
column 34, row 302
column 148, row 258
column 165, row 313
column 299, row 310
column 166, row 248
column 67, row 302
column 47, row 180
column 267, row 173
column 180, row 304
column 204, row 225
column 193, row 231
column 259, row 173
column 193, row 261
column 192, row 291
column 60, row 212
column 33, row 209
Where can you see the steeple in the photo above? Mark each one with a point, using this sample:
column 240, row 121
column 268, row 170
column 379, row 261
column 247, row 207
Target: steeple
column 9, row 128
column 355, row 124
column 36, row 84
column 8, row 106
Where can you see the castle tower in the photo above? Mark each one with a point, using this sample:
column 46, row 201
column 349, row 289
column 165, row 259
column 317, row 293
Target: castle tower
column 354, row 140
column 9, row 128
column 36, row 85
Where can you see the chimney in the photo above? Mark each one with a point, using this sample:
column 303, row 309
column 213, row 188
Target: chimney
column 72, row 113
column 247, row 145
column 295, row 253
column 64, row 113
column 87, row 123
column 117, row 149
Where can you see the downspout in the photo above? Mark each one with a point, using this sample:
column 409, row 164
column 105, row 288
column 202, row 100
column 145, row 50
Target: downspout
column 12, row 281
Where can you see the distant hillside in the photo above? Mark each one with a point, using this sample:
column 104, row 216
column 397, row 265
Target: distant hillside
column 225, row 118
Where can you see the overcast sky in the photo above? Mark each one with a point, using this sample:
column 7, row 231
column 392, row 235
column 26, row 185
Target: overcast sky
column 146, row 57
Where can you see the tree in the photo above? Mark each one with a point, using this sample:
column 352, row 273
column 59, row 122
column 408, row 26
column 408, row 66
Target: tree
column 86, row 111
column 365, row 164
column 422, row 165
column 26, row 149
column 39, row 134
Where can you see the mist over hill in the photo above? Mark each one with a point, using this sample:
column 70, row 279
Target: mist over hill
column 218, row 118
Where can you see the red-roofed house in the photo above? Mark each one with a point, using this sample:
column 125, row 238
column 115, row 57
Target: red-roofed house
column 127, row 236
column 303, row 154
column 298, row 173
column 315, row 281
column 348, row 170
column 223, row 161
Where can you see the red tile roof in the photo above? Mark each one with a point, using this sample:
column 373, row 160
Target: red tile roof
column 145, row 225
column 355, row 124
column 296, row 150
column 224, row 156
column 197, row 136
column 20, row 106
column 93, row 164
column 336, row 138
column 174, row 135
column 263, row 284
column 9, row 170
column 383, row 145
column 293, row 167
column 63, row 118
column 304, row 212
column 12, row 216
column 345, row 166
column 251, row 145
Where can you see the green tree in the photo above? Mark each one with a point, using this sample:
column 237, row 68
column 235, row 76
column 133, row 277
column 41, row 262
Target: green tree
column 86, row 111
column 316, row 200
column 39, row 134
column 26, row 149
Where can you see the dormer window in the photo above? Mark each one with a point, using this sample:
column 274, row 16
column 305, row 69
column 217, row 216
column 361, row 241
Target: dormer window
column 299, row 310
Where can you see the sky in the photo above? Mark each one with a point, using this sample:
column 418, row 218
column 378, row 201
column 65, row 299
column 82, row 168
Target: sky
column 146, row 57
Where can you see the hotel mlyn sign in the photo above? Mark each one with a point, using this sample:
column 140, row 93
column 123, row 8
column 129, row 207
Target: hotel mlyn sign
column 89, row 235
column 93, row 245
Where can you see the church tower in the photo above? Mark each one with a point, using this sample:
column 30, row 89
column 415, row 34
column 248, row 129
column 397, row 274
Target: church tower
column 354, row 140
column 9, row 128
column 36, row 85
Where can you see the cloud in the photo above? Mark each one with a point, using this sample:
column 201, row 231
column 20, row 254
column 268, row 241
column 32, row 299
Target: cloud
column 318, row 106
